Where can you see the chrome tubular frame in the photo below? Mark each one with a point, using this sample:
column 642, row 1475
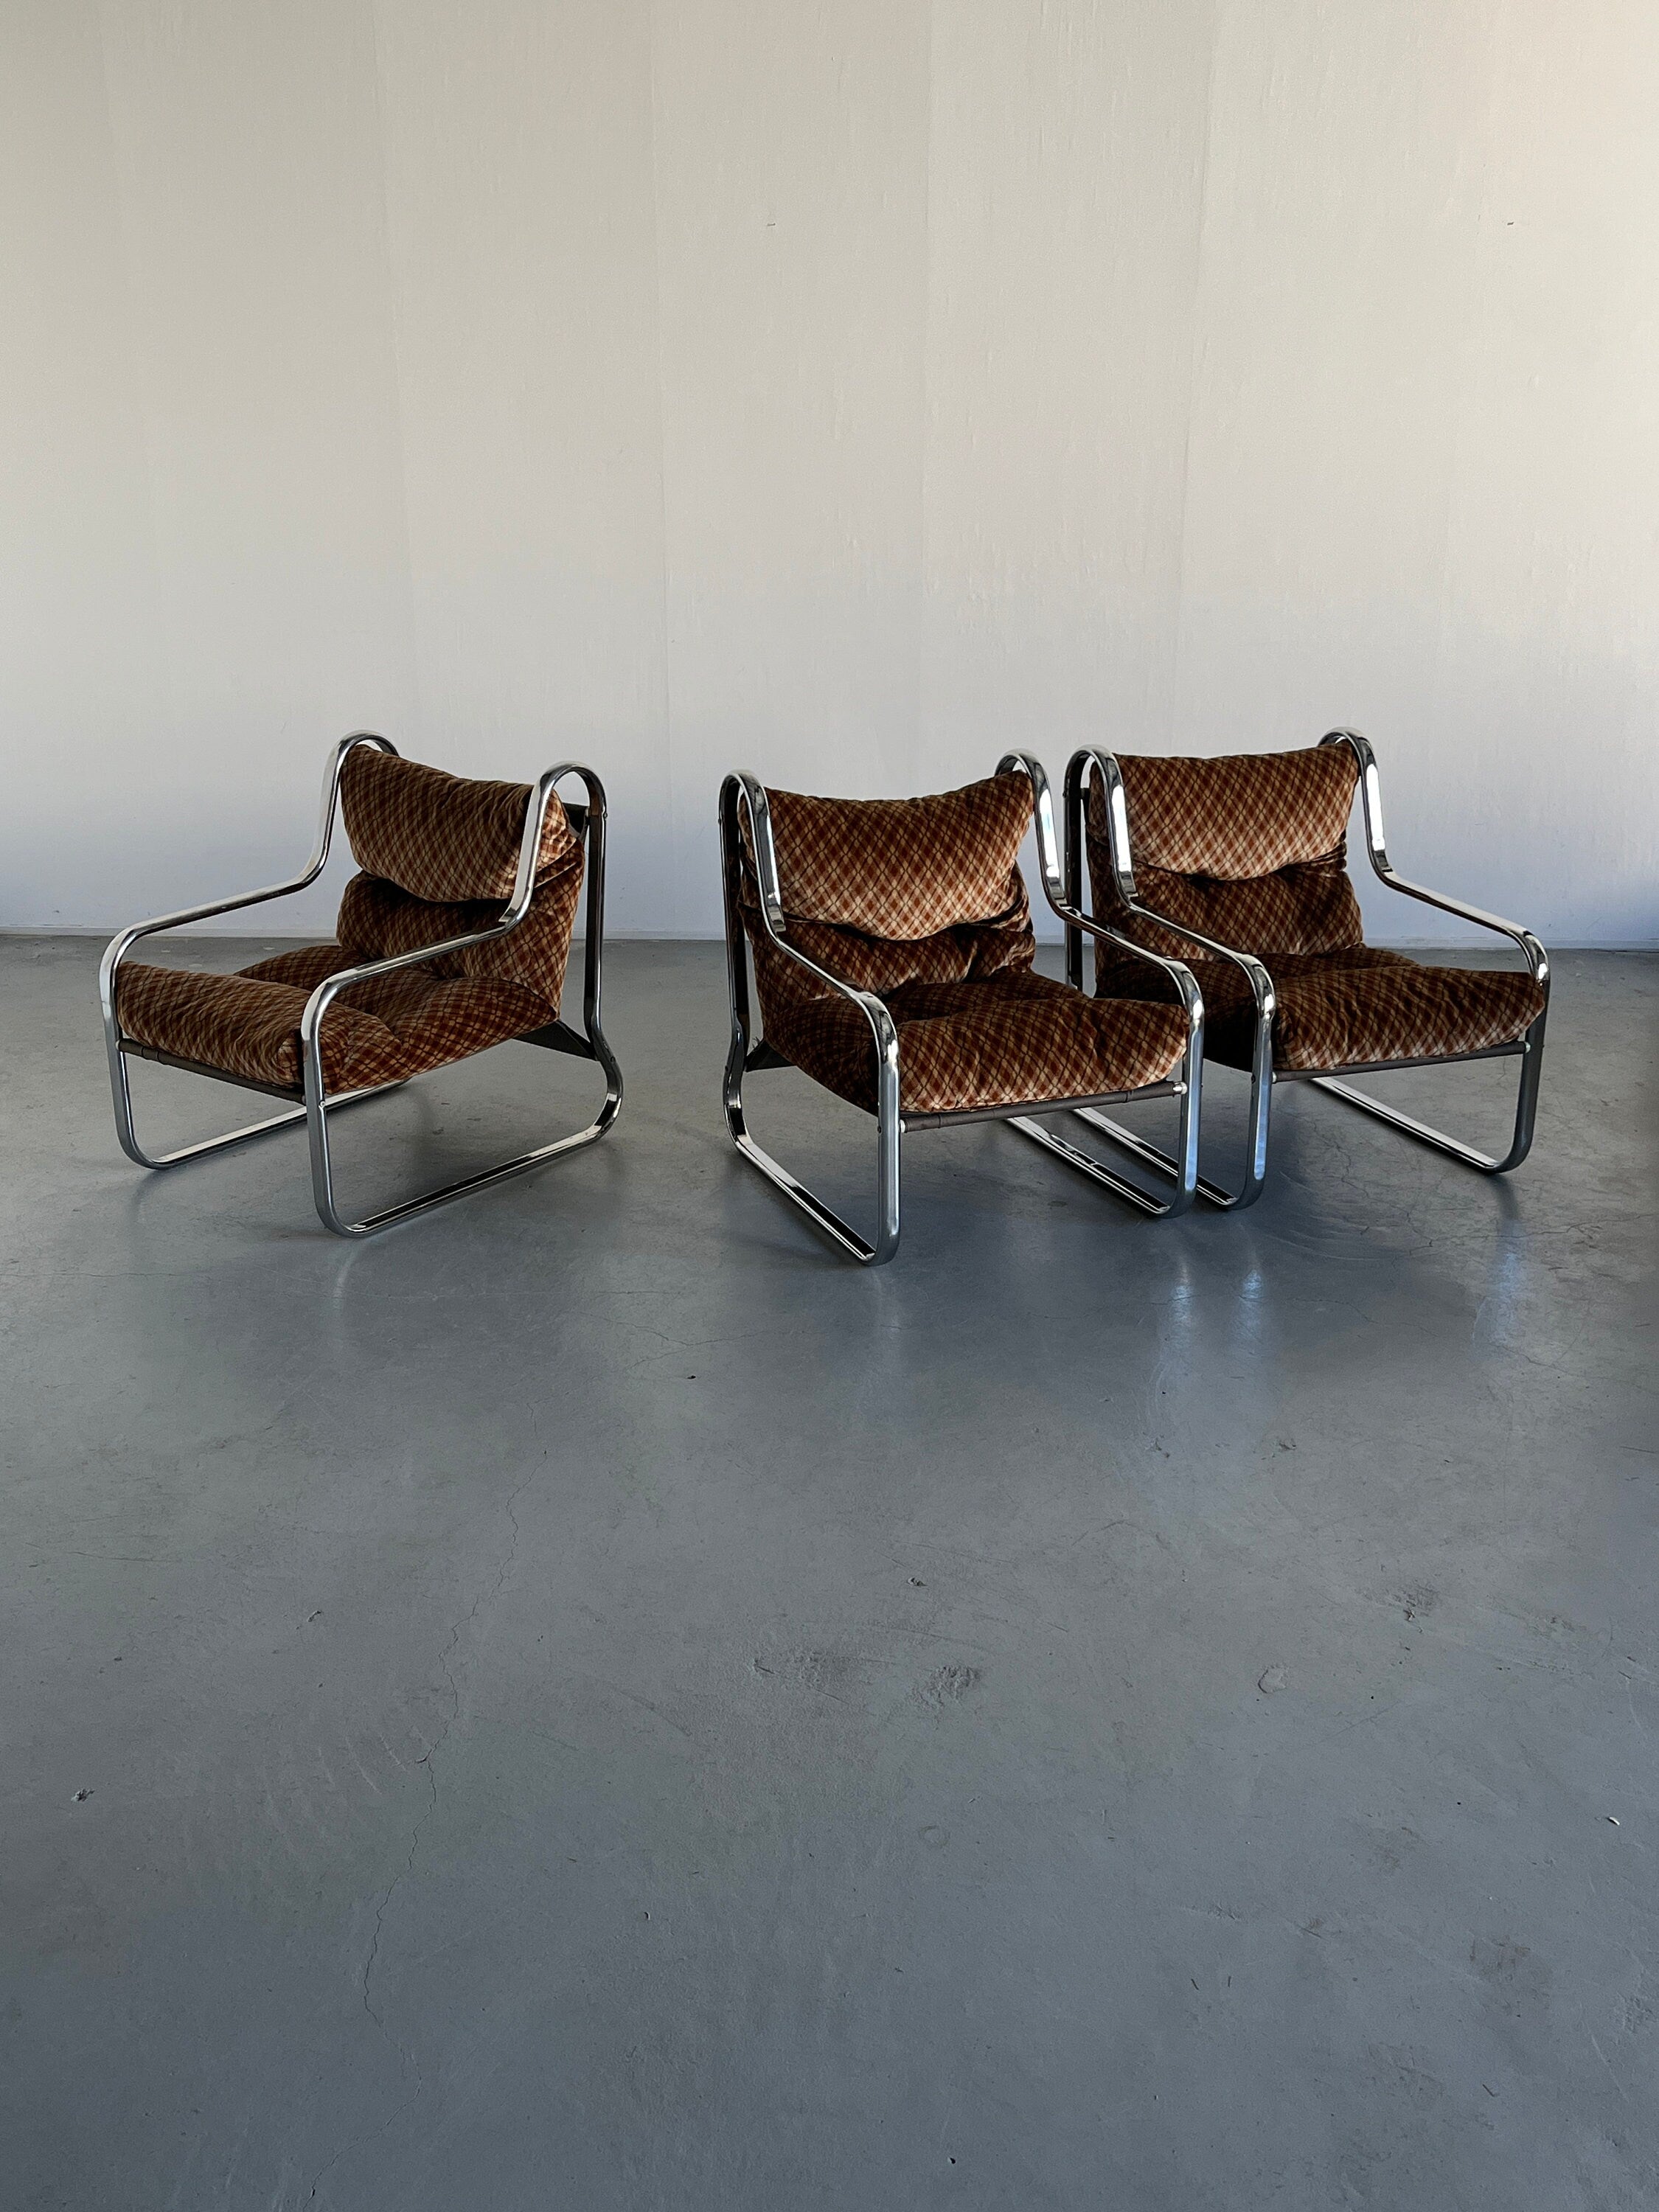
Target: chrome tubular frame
column 1083, row 767
column 1263, row 1076
column 744, row 794
column 591, row 1044
column 1190, row 1087
column 747, row 793
column 1530, row 1049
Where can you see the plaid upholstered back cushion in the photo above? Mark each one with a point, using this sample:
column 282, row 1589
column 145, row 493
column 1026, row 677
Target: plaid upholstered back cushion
column 1250, row 849
column 1249, row 814
column 378, row 920
column 901, row 868
column 441, row 837
column 885, row 892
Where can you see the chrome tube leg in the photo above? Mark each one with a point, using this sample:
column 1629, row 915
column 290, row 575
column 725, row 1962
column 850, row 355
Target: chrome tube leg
column 1080, row 773
column 890, row 1124
column 1184, row 1168
column 318, row 1106
column 594, row 951
column 1526, row 1113
column 1256, row 1164
column 127, row 1133
column 318, row 1110
column 890, row 1132
column 1533, row 952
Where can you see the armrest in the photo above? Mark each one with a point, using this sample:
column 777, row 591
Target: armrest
column 1073, row 915
column 1370, row 789
column 119, row 947
column 1090, row 761
column 747, row 791
column 518, row 906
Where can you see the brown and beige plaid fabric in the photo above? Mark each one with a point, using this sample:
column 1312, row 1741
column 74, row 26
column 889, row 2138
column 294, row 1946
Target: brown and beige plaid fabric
column 1351, row 1009
column 441, row 837
column 376, row 1032
column 901, row 868
column 884, row 963
column 1309, row 907
column 977, row 938
column 1009, row 1039
column 379, row 920
column 1249, row 814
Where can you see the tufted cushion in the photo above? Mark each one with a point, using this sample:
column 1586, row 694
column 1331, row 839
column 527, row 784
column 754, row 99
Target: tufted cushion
column 376, row 1032
column 378, row 920
column 901, row 868
column 1010, row 1039
column 1353, row 1009
column 441, row 837
column 1307, row 908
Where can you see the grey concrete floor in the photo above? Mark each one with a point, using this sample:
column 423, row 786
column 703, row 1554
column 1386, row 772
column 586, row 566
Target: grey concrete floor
column 591, row 1701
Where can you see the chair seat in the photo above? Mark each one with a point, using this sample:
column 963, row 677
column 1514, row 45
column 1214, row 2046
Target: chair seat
column 1010, row 1039
column 1358, row 1008
column 381, row 1032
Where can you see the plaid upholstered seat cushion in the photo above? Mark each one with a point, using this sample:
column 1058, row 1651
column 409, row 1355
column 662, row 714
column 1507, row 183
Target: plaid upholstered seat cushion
column 1359, row 1008
column 380, row 1031
column 1003, row 1040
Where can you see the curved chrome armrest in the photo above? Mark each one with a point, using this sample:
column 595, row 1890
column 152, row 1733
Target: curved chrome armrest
column 738, row 792
column 1055, row 889
column 119, row 947
column 518, row 906
column 747, row 791
column 1370, row 792
column 1090, row 761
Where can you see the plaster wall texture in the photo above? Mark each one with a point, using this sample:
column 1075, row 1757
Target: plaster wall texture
column 845, row 390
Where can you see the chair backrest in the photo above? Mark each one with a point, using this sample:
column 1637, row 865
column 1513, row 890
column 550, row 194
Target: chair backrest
column 440, row 857
column 1251, row 848
column 887, row 891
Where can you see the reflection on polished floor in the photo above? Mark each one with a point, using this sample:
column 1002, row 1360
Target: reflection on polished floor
column 590, row 1699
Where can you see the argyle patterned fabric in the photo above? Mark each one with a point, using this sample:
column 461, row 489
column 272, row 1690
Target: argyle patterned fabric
column 1010, row 1039
column 1249, row 814
column 1309, row 907
column 883, row 963
column 376, row 1032
column 378, row 920
column 1353, row 1009
column 441, row 837
column 901, row 868
column 439, row 830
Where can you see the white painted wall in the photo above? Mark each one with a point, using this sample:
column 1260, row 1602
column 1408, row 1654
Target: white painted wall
column 843, row 388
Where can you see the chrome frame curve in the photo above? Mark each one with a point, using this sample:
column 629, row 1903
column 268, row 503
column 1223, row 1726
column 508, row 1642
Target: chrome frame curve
column 1530, row 1049
column 1263, row 1075
column 742, row 792
column 591, row 1044
column 1084, row 766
